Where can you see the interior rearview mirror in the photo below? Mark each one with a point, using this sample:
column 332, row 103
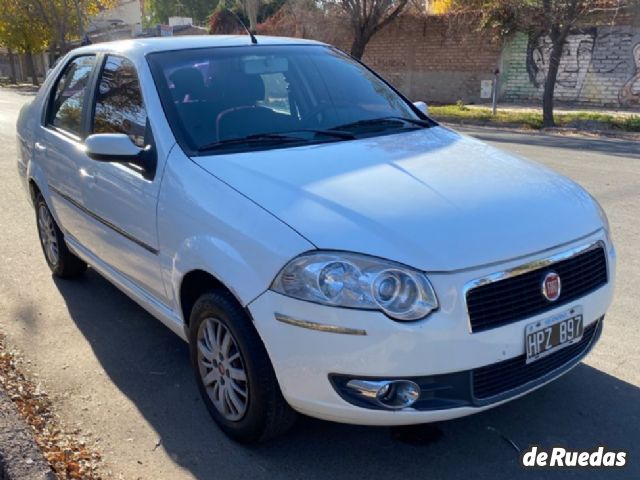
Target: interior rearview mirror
column 111, row 147
column 255, row 65
column 422, row 107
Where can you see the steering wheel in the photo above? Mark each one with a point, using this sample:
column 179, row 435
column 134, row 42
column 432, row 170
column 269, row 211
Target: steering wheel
column 312, row 115
column 225, row 114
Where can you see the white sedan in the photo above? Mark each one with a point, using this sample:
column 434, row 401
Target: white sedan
column 321, row 243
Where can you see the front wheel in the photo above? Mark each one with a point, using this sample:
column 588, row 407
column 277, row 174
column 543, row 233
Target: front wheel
column 61, row 261
column 233, row 371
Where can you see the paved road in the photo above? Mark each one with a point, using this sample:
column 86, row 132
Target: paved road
column 115, row 371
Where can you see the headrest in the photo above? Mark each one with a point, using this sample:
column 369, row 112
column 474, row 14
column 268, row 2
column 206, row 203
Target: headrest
column 187, row 81
column 243, row 90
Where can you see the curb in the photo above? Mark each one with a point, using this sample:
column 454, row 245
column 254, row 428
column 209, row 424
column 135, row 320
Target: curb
column 20, row 456
column 22, row 88
column 557, row 131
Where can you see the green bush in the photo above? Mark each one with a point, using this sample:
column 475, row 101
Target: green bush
column 460, row 112
column 461, row 106
column 632, row 124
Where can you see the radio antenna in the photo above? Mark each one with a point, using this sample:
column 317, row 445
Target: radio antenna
column 254, row 40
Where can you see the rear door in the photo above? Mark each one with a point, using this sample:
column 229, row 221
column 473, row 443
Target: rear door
column 123, row 197
column 58, row 148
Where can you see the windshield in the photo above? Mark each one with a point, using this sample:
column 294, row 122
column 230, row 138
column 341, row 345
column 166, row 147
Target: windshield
column 231, row 99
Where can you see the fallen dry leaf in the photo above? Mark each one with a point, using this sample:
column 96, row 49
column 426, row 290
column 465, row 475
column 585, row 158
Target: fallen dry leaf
column 69, row 457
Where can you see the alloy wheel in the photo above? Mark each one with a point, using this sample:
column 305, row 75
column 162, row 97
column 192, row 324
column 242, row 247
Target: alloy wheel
column 48, row 237
column 222, row 369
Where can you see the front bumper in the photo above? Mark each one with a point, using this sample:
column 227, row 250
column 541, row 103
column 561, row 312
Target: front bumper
column 485, row 385
column 440, row 351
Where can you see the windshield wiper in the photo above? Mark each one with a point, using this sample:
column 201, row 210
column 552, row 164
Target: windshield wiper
column 327, row 133
column 384, row 121
column 415, row 121
column 275, row 138
column 260, row 139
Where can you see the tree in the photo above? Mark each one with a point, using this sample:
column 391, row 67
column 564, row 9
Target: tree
column 368, row 17
column 159, row 11
column 65, row 19
column 18, row 32
column 554, row 19
column 250, row 12
column 30, row 26
column 223, row 22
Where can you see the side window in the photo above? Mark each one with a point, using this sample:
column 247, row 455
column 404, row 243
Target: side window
column 119, row 105
column 65, row 109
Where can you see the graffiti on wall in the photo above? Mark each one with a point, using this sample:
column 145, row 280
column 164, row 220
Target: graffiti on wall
column 595, row 62
column 630, row 93
column 574, row 65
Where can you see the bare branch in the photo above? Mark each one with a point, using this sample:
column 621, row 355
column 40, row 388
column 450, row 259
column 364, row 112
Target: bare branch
column 367, row 17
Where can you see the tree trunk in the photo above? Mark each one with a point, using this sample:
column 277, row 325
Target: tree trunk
column 550, row 81
column 54, row 53
column 80, row 20
column 359, row 44
column 12, row 64
column 32, row 68
column 62, row 41
column 251, row 9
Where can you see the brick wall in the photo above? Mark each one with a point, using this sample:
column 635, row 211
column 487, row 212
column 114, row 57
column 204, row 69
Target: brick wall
column 600, row 67
column 425, row 58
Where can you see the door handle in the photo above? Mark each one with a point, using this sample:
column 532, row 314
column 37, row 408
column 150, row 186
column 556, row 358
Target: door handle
column 40, row 147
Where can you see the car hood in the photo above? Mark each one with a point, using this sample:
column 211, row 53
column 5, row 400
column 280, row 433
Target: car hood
column 430, row 198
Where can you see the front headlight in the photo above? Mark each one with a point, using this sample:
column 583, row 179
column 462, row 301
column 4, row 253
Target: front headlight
column 605, row 220
column 358, row 281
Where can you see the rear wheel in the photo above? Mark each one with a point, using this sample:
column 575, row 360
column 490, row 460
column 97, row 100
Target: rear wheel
column 234, row 372
column 61, row 261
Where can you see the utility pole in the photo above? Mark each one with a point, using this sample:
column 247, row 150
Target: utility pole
column 494, row 94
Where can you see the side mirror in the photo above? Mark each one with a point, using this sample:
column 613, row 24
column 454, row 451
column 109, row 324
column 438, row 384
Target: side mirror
column 422, row 107
column 111, row 147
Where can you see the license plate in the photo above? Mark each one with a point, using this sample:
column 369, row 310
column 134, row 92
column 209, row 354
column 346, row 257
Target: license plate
column 544, row 337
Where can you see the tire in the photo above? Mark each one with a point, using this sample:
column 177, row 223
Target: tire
column 61, row 261
column 221, row 363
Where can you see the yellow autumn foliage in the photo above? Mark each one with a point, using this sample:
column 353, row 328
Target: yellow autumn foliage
column 33, row 25
column 440, row 7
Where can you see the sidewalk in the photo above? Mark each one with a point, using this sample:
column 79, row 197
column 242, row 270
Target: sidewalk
column 559, row 109
column 603, row 122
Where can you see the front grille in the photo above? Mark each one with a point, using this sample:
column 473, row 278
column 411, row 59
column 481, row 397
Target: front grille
column 515, row 298
column 502, row 377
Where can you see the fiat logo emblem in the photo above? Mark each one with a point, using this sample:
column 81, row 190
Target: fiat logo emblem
column 551, row 286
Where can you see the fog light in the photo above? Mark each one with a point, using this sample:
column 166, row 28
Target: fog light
column 383, row 391
column 391, row 394
column 401, row 394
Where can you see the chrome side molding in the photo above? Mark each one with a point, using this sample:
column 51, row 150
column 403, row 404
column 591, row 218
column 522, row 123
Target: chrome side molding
column 321, row 327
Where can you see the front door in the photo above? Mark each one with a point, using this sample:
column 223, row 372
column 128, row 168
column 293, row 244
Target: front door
column 123, row 197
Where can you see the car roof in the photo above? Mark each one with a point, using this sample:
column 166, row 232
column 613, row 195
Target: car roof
column 143, row 46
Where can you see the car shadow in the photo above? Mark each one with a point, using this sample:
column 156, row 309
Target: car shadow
column 147, row 363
